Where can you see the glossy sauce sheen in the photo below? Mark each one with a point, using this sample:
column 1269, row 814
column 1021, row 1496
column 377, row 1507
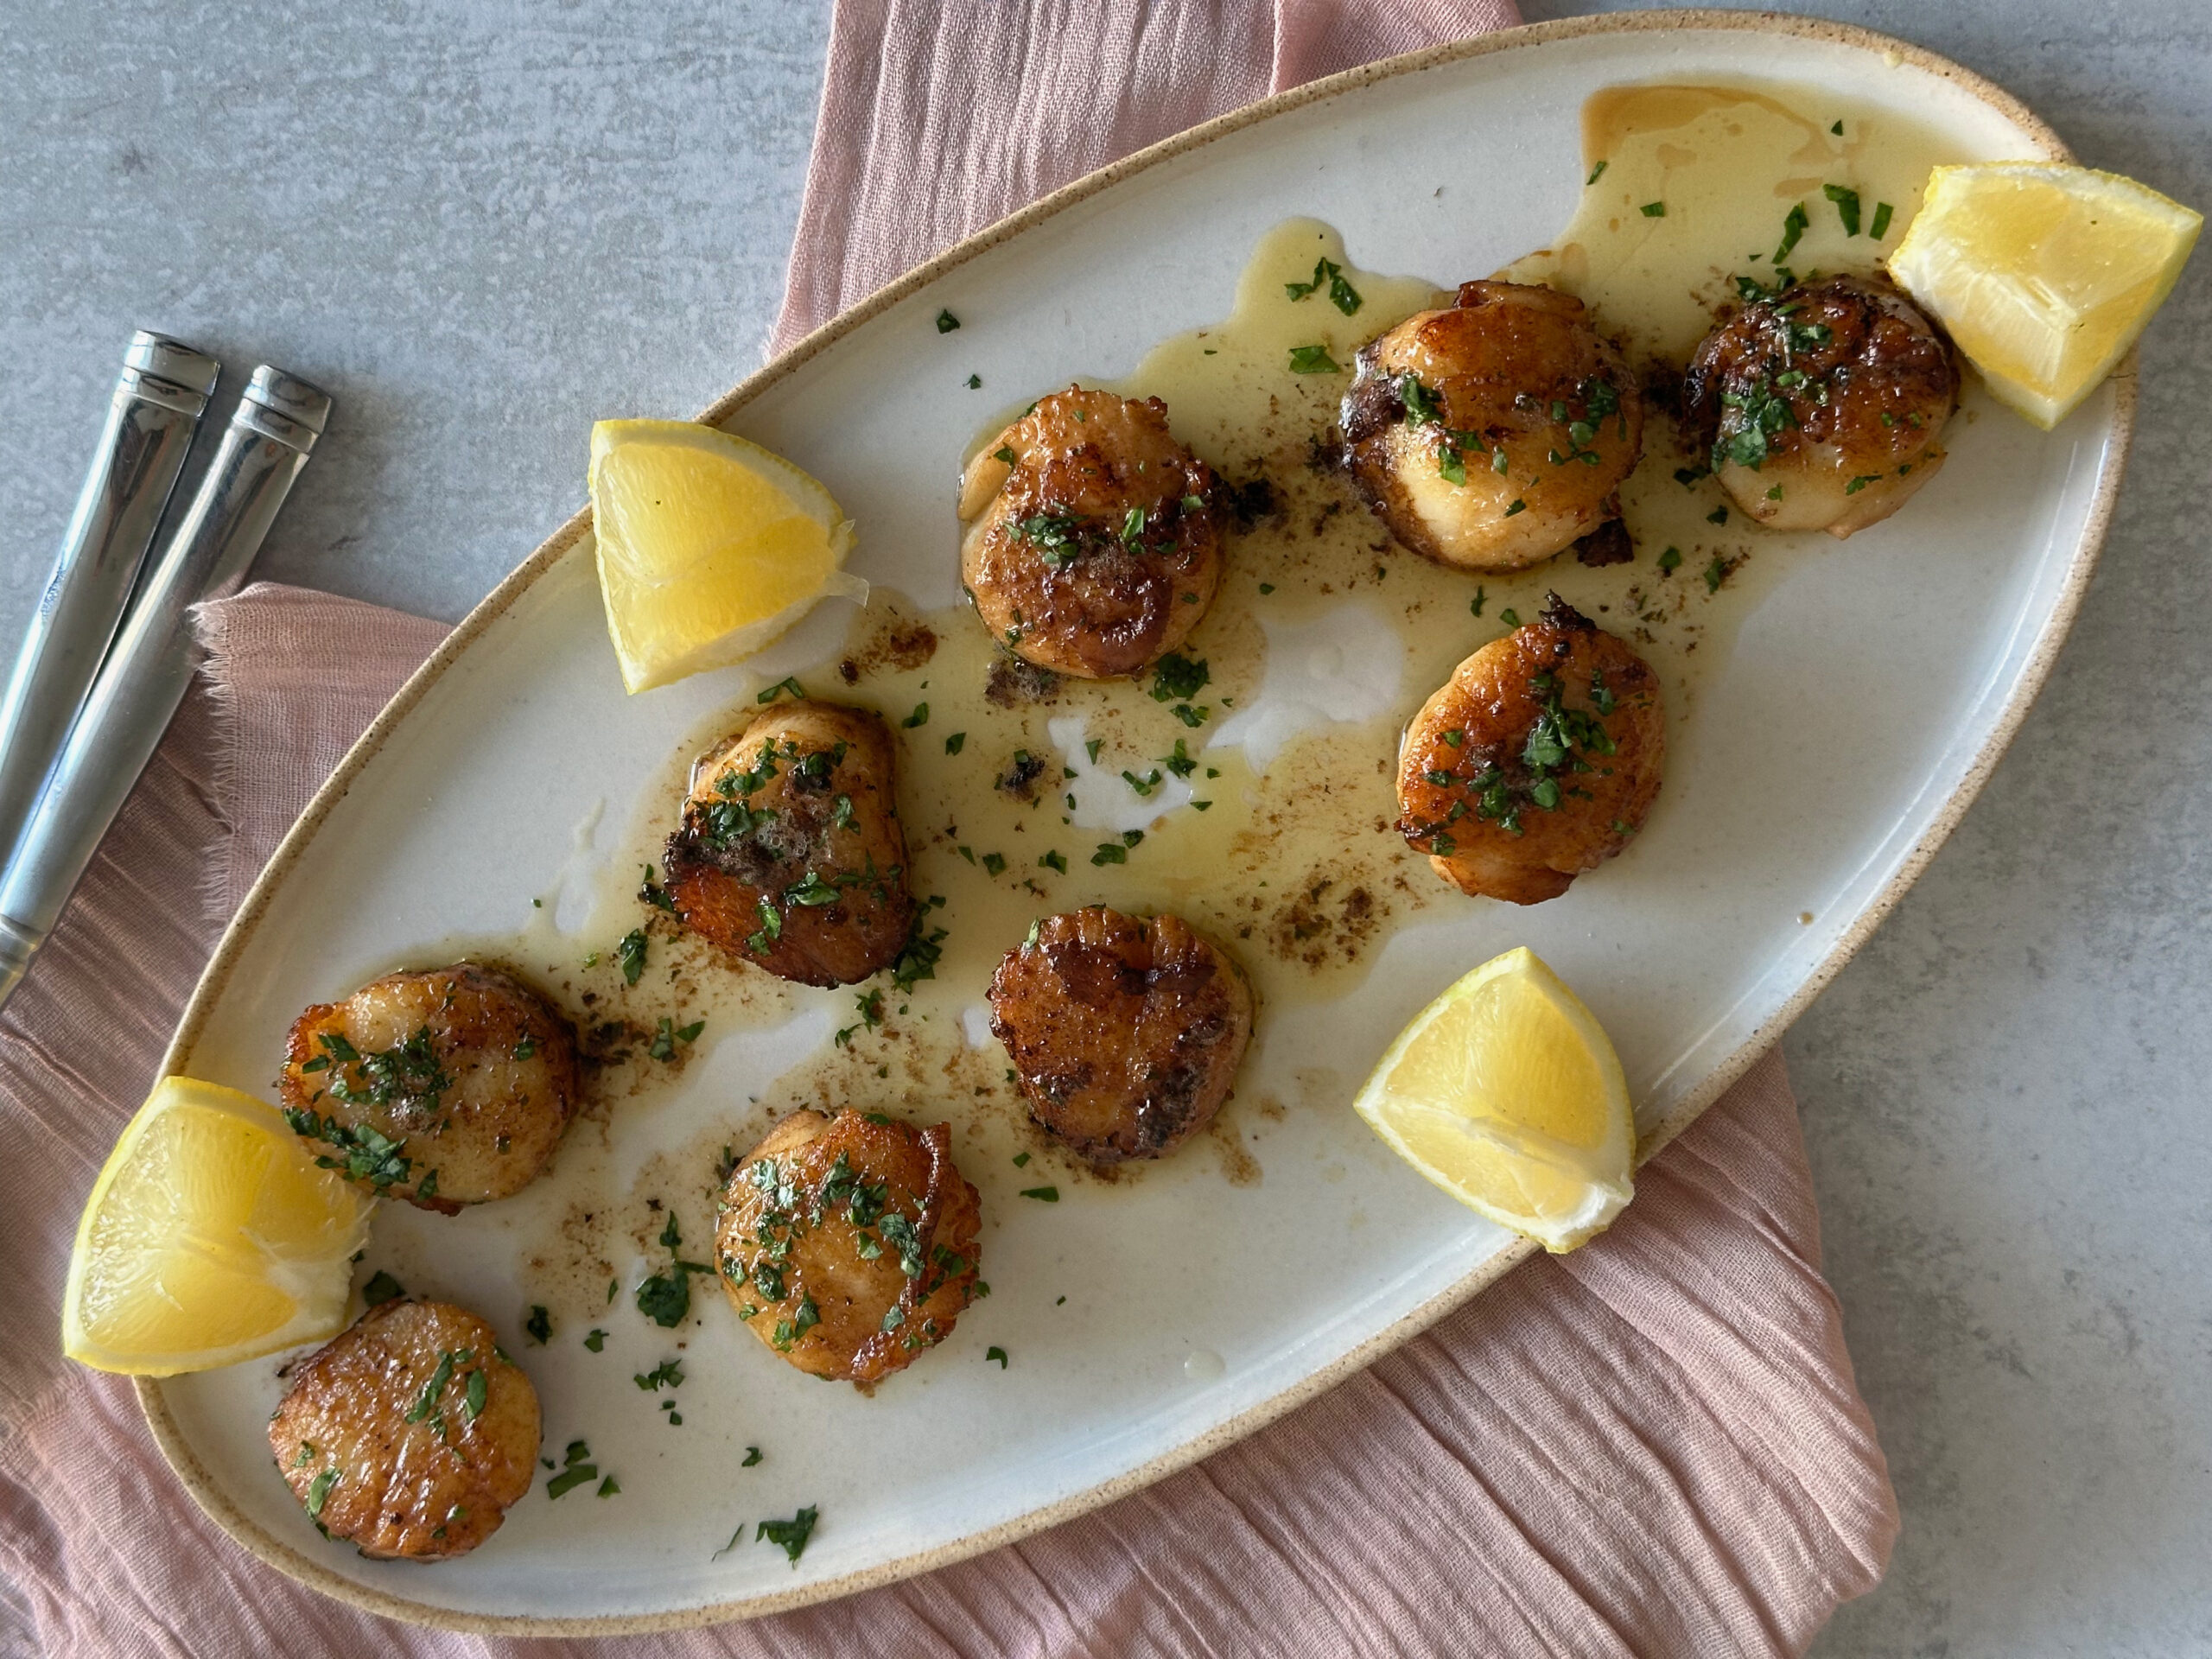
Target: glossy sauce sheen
column 1294, row 867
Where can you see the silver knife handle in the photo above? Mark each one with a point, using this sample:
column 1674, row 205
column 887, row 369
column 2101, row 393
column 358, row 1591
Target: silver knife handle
column 151, row 420
column 151, row 666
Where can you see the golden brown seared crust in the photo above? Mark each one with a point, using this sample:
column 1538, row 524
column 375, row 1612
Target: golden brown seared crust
column 1125, row 1033
column 385, row 1459
column 849, row 1244
column 444, row 1087
column 1096, row 550
column 1536, row 760
column 1823, row 407
column 790, row 852
column 1508, row 370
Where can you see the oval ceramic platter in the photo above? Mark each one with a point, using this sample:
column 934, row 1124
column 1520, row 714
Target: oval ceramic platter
column 1851, row 700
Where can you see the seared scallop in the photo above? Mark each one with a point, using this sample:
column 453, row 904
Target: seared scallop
column 1494, row 433
column 1823, row 407
column 790, row 852
column 1538, row 759
column 1125, row 1033
column 1093, row 547
column 410, row 1434
column 847, row 1244
column 446, row 1087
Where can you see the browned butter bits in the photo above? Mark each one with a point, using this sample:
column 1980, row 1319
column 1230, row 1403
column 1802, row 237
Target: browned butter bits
column 409, row 1434
column 1125, row 1032
column 1538, row 759
column 790, row 852
column 445, row 1087
column 849, row 1244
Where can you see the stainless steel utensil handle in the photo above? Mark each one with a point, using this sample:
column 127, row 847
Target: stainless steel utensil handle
column 151, row 420
column 152, row 663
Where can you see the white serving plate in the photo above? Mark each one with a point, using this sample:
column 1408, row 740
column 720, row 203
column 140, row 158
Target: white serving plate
column 1864, row 701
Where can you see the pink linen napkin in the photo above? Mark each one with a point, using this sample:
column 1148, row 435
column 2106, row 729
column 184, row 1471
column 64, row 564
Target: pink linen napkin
column 1652, row 1446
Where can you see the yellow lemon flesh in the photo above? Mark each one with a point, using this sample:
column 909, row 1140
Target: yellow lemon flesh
column 709, row 547
column 2044, row 273
column 210, row 1237
column 1506, row 1092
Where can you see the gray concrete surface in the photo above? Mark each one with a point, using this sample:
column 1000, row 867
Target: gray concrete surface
column 482, row 225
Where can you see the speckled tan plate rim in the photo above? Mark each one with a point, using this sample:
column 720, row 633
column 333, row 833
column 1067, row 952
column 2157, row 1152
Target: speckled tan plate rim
column 211, row 1497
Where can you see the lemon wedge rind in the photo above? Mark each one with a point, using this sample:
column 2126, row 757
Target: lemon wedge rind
column 1506, row 1094
column 210, row 1237
column 2043, row 273
column 709, row 548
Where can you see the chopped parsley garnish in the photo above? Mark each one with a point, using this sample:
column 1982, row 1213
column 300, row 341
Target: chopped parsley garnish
column 1518, row 506
column 370, row 1155
column 997, row 1353
column 596, row 1341
column 1004, row 453
column 1054, row 860
column 790, row 1536
column 918, row 960
column 1144, row 785
column 1510, row 617
column 669, row 1373
column 665, row 1297
column 1111, row 853
column 1671, row 559
column 1313, row 359
column 1861, row 482
column 1327, row 273
column 919, row 717
column 957, row 742
column 1795, row 224
column 1846, row 205
column 577, row 1470
column 319, row 1491
column 1880, row 227
column 1653, row 210
column 1042, row 1194
column 946, row 322
column 652, row 893
column 1092, row 747
column 539, row 1325
column 1177, row 678
column 752, row 1457
column 1058, row 536
column 1715, row 573
column 974, row 383
column 630, row 955
column 1179, row 762
column 1423, row 407
column 789, row 682
column 993, row 863
column 1475, row 604
column 441, row 1375
column 1718, row 516
column 1596, row 173
column 381, row 1288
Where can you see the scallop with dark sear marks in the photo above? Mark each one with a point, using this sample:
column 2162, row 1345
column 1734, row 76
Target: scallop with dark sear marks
column 849, row 1244
column 410, row 1434
column 1494, row 433
column 1823, row 407
column 1093, row 545
column 790, row 852
column 445, row 1087
column 1125, row 1033
column 1538, row 759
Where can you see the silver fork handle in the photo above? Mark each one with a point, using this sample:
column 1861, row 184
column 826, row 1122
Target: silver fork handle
column 152, row 663
column 151, row 420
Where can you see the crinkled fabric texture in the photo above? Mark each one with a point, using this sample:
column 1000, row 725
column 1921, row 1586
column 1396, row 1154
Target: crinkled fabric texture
column 1651, row 1446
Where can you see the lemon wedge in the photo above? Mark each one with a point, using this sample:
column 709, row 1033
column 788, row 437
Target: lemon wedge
column 2044, row 273
column 210, row 1237
column 709, row 547
column 1506, row 1091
